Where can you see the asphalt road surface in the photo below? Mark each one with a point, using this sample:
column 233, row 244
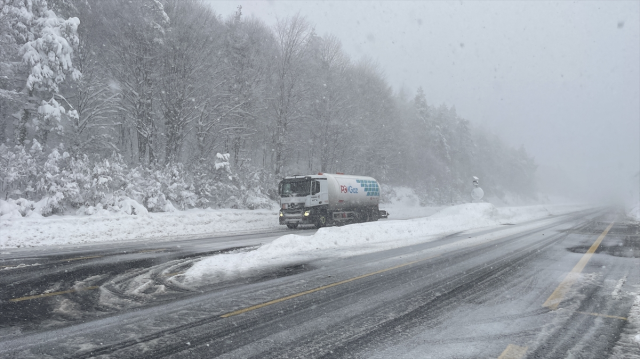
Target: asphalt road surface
column 558, row 287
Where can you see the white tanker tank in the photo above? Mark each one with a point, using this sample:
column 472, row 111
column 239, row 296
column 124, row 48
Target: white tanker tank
column 326, row 199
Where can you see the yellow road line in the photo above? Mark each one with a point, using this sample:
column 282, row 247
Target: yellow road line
column 152, row 250
column 556, row 297
column 603, row 315
column 52, row 294
column 513, row 352
column 78, row 258
column 248, row 309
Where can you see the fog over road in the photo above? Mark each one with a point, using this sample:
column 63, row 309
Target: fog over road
column 484, row 293
column 556, row 77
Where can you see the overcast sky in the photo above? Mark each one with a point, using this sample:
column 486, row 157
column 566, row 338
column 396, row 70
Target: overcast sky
column 560, row 78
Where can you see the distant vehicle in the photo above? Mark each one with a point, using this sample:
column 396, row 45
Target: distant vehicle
column 329, row 199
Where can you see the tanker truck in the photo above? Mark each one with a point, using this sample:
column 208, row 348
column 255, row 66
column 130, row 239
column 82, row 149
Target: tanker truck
column 329, row 199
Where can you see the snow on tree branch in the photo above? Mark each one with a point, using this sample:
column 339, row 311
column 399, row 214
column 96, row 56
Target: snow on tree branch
column 50, row 48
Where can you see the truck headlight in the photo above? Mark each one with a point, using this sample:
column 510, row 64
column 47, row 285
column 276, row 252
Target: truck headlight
column 307, row 213
column 281, row 214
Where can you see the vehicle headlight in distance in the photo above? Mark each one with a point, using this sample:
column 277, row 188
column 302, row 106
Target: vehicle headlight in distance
column 281, row 214
column 307, row 213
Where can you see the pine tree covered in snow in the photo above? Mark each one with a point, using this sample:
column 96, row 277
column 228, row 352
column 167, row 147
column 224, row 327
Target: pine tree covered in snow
column 47, row 52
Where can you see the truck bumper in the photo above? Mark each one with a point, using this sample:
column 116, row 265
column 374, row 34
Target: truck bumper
column 294, row 218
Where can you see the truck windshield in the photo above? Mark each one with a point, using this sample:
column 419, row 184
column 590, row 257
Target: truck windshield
column 295, row 188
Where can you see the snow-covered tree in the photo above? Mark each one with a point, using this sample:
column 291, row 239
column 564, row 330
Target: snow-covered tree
column 134, row 32
column 48, row 55
column 93, row 127
column 330, row 103
column 190, row 70
column 289, row 92
column 18, row 169
column 249, row 52
column 46, row 43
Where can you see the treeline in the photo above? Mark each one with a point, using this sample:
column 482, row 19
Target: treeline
column 166, row 102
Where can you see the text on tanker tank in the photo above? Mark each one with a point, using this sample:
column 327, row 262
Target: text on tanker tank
column 349, row 189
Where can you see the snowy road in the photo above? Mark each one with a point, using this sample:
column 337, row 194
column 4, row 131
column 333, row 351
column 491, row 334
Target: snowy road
column 535, row 289
column 29, row 275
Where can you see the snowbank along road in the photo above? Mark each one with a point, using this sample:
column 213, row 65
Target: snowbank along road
column 555, row 287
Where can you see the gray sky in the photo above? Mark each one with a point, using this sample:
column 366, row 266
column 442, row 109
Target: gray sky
column 560, row 78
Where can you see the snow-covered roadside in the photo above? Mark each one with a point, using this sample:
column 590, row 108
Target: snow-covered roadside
column 63, row 230
column 105, row 226
column 365, row 238
column 634, row 213
column 628, row 346
column 405, row 204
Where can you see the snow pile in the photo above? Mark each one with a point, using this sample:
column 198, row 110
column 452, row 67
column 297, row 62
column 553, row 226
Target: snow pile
column 9, row 210
column 123, row 205
column 362, row 238
column 106, row 226
column 628, row 346
column 404, row 203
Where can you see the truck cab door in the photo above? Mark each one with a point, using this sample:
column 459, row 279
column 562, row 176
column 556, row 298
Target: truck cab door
column 315, row 193
column 324, row 192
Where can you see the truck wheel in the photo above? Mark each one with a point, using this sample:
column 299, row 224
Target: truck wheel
column 321, row 222
column 292, row 225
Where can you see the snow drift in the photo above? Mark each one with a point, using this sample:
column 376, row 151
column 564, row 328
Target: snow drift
column 106, row 226
column 363, row 238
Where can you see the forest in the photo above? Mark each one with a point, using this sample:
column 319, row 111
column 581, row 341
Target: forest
column 168, row 104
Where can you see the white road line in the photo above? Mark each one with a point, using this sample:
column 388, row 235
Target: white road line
column 616, row 291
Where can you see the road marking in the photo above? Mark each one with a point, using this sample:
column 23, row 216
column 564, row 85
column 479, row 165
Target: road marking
column 513, row 352
column 153, row 250
column 603, row 315
column 558, row 295
column 279, row 300
column 258, row 306
column 58, row 261
column 21, row 265
column 616, row 291
column 86, row 257
column 52, row 294
column 78, row 258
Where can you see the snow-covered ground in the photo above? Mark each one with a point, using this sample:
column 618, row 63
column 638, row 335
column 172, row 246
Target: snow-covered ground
column 628, row 346
column 365, row 238
column 105, row 226
column 405, row 204
column 19, row 231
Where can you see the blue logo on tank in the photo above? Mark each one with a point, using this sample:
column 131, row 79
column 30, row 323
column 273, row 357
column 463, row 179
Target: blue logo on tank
column 371, row 187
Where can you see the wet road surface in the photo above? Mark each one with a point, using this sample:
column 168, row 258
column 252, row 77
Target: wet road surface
column 541, row 289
